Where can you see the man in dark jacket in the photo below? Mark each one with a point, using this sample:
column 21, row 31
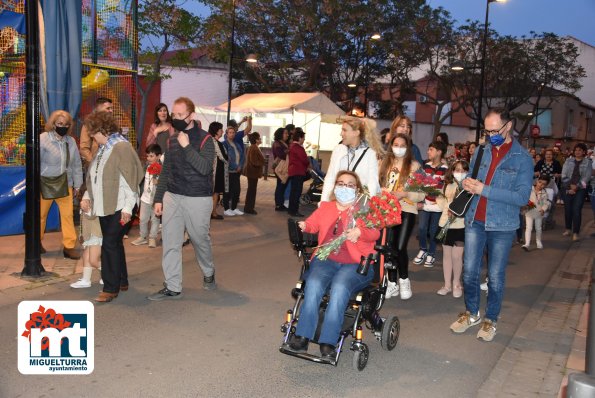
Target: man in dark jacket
column 184, row 199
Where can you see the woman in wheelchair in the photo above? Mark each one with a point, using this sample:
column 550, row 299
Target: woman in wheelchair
column 339, row 271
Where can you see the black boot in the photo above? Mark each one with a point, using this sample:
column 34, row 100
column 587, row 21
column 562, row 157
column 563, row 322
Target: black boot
column 328, row 351
column 299, row 343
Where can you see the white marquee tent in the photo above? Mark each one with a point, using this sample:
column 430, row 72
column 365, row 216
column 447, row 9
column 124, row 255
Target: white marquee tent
column 313, row 112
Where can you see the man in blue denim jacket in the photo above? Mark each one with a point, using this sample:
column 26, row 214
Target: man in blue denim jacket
column 502, row 186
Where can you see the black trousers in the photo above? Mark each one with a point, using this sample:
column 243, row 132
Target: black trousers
column 231, row 198
column 113, row 259
column 280, row 193
column 250, row 201
column 297, row 184
column 398, row 236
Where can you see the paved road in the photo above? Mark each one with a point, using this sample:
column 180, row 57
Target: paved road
column 224, row 343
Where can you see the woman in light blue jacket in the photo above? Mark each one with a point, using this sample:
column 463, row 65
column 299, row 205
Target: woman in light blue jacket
column 576, row 174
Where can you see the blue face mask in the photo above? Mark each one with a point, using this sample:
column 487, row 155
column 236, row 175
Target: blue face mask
column 345, row 195
column 496, row 140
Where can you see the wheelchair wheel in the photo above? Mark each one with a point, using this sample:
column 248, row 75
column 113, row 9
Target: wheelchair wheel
column 390, row 333
column 305, row 199
column 360, row 358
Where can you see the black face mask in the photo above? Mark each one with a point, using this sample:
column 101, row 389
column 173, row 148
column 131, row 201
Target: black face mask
column 179, row 124
column 62, row 131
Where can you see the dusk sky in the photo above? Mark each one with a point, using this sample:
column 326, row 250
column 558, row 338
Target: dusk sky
column 517, row 17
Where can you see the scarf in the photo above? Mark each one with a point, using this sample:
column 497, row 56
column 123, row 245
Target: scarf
column 225, row 166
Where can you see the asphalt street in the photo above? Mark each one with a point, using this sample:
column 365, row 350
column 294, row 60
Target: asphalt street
column 224, row 343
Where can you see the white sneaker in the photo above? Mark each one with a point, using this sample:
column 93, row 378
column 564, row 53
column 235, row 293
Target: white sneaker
column 539, row 245
column 229, row 213
column 140, row 241
column 405, row 287
column 429, row 261
column 80, row 284
column 101, row 281
column 152, row 242
column 238, row 212
column 421, row 256
column 392, row 290
column 484, row 286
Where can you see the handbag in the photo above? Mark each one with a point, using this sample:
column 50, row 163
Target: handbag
column 56, row 187
column 460, row 203
column 281, row 170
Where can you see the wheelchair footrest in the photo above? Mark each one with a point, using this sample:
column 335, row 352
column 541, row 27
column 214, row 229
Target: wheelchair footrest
column 304, row 355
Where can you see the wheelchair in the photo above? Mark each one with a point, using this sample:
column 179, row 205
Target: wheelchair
column 362, row 310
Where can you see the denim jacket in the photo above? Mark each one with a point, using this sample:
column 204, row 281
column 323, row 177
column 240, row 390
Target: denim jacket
column 584, row 169
column 509, row 189
column 234, row 163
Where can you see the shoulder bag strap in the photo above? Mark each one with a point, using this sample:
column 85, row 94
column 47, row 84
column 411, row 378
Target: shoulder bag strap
column 360, row 159
column 477, row 162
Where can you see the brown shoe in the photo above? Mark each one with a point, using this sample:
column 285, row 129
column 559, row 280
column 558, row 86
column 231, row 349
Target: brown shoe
column 72, row 254
column 105, row 297
column 123, row 288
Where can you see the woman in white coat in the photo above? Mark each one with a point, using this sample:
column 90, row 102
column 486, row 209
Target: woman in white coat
column 358, row 152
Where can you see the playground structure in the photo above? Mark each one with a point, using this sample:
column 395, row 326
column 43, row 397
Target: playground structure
column 109, row 55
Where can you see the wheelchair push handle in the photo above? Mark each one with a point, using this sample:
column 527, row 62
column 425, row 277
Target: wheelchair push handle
column 364, row 264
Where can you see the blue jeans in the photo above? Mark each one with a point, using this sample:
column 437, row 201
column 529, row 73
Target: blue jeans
column 573, row 210
column 428, row 223
column 344, row 281
column 498, row 244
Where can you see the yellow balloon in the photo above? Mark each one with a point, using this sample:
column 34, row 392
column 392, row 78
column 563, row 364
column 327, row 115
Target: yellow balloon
column 94, row 80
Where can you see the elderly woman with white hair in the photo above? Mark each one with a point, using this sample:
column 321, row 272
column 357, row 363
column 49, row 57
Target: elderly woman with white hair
column 61, row 177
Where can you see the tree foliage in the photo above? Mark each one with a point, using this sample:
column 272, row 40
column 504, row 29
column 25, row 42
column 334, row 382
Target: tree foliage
column 307, row 45
column 163, row 25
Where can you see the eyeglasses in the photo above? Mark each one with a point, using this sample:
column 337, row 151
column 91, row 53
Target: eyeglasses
column 342, row 184
column 492, row 132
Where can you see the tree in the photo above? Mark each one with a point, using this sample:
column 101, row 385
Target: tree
column 163, row 25
column 518, row 70
column 307, row 45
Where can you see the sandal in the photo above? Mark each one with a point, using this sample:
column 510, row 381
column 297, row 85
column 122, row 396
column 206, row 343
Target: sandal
column 105, row 297
column 444, row 291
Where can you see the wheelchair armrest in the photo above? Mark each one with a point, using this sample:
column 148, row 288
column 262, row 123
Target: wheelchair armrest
column 299, row 239
column 385, row 250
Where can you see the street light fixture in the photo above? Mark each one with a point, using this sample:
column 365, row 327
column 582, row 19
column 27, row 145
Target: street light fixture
column 351, row 85
column 376, row 36
column 252, row 58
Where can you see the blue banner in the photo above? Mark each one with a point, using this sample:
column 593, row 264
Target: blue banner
column 12, row 202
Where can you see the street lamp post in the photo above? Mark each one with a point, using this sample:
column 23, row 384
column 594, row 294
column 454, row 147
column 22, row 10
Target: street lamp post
column 374, row 36
column 482, row 67
column 230, row 80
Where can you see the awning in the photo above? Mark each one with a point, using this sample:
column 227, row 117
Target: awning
column 283, row 103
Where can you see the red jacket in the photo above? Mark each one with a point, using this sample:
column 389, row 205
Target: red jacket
column 298, row 160
column 323, row 221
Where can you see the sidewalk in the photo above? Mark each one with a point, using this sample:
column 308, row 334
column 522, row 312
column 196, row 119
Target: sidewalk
column 550, row 342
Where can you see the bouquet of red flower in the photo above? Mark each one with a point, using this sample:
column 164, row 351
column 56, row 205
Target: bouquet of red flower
column 531, row 205
column 367, row 212
column 154, row 169
column 421, row 182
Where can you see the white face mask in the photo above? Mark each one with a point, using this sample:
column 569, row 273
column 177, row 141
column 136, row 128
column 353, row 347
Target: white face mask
column 399, row 152
column 459, row 176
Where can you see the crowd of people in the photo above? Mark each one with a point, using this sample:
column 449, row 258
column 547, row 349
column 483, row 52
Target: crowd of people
column 189, row 172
